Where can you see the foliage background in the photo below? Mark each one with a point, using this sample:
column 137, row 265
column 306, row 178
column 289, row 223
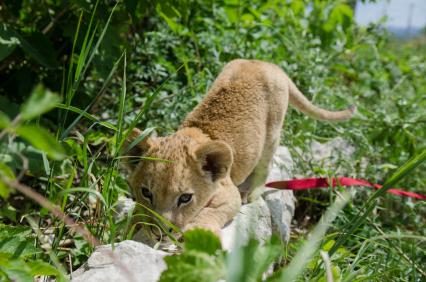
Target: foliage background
column 174, row 50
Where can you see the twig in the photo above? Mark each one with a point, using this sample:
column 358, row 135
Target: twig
column 50, row 25
column 70, row 262
column 55, row 210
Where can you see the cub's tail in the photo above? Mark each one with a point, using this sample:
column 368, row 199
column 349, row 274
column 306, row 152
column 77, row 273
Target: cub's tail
column 300, row 102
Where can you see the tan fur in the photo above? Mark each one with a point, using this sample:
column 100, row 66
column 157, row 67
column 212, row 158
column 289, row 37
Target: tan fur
column 233, row 132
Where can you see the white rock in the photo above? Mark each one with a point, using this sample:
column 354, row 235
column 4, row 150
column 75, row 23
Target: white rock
column 123, row 207
column 281, row 207
column 253, row 221
column 280, row 202
column 281, row 165
column 132, row 261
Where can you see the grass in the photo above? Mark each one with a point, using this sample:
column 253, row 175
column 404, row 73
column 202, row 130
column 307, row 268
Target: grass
column 374, row 237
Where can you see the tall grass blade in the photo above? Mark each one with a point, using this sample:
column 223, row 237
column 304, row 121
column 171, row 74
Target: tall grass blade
column 71, row 63
column 121, row 105
column 307, row 251
column 86, row 190
column 399, row 174
column 100, row 39
column 73, row 78
column 86, row 115
column 140, row 138
column 85, row 111
column 86, row 55
column 84, row 48
column 146, row 106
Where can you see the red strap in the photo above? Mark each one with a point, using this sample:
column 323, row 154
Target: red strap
column 312, row 183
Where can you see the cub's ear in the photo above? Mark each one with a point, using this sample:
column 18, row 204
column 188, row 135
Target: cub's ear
column 135, row 146
column 214, row 158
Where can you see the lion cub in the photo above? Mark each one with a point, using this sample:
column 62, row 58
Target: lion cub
column 222, row 150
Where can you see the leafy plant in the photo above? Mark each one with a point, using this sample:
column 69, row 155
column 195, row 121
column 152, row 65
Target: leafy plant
column 16, row 250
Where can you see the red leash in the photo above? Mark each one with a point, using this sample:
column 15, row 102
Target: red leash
column 312, row 183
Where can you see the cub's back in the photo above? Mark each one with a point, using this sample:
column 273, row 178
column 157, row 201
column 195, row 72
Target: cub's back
column 237, row 110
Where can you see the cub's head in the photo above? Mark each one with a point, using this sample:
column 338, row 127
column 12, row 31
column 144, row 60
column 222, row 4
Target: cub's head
column 178, row 175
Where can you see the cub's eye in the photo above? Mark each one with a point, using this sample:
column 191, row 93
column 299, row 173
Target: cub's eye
column 184, row 198
column 147, row 194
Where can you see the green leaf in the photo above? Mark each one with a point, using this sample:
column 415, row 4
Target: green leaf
column 7, row 231
column 202, row 259
column 169, row 14
column 193, row 266
column 251, row 261
column 202, row 240
column 40, row 101
column 341, row 14
column 17, row 269
column 5, row 172
column 42, row 268
column 4, row 120
column 17, row 274
column 35, row 159
column 4, row 190
column 17, row 241
column 18, row 247
column 8, row 41
column 41, row 139
column 232, row 13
